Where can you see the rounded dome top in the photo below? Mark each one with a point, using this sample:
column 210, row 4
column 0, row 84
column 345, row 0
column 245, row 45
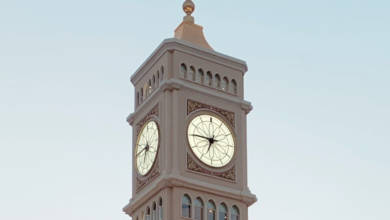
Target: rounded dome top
column 188, row 7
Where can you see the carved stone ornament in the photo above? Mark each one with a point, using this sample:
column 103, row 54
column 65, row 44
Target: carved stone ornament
column 193, row 106
column 194, row 166
column 142, row 181
column 153, row 112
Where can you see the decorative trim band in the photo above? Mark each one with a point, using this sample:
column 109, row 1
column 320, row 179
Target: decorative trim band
column 193, row 166
column 194, row 105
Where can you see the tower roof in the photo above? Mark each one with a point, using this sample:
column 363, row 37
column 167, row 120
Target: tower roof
column 188, row 30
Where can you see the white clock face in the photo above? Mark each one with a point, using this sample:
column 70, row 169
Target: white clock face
column 147, row 147
column 211, row 140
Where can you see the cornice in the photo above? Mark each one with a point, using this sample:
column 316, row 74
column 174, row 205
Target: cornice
column 173, row 44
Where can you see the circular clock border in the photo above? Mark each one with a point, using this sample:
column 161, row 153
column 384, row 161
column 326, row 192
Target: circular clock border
column 154, row 119
column 196, row 113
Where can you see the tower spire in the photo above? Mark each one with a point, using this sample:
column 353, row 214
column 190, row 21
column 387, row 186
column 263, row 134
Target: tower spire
column 188, row 30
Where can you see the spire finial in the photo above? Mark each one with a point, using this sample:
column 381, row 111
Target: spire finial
column 188, row 8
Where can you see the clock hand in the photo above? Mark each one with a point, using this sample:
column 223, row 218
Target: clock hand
column 208, row 149
column 141, row 151
column 195, row 135
column 146, row 148
column 211, row 142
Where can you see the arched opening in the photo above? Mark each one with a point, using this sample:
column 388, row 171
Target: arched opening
column 191, row 75
column 183, row 71
column 186, row 206
column 162, row 73
column 154, row 211
column 160, row 209
column 223, row 212
column 154, row 81
column 199, row 207
column 211, row 210
column 200, row 76
column 209, row 79
column 148, row 213
column 225, row 84
column 233, row 87
column 150, row 88
column 235, row 213
column 217, row 81
column 142, row 95
column 157, row 79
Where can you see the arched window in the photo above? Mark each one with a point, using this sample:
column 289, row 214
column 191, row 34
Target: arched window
column 157, row 79
column 233, row 87
column 154, row 81
column 148, row 213
column 223, row 212
column 186, row 206
column 150, row 88
column 209, row 79
column 225, row 84
column 162, row 73
column 191, row 75
column 160, row 209
column 199, row 209
column 211, row 210
column 235, row 213
column 154, row 211
column 200, row 76
column 142, row 95
column 183, row 71
column 217, row 81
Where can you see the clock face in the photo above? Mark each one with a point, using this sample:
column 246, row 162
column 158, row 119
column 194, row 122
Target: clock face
column 211, row 140
column 147, row 147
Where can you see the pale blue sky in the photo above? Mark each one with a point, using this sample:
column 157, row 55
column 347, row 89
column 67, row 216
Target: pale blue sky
column 318, row 79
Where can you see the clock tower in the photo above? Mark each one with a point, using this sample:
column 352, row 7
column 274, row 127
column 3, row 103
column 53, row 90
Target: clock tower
column 189, row 131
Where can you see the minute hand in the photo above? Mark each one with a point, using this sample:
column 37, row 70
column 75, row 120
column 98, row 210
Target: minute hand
column 200, row 136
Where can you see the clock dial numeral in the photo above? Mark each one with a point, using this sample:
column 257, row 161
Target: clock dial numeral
column 211, row 140
column 147, row 147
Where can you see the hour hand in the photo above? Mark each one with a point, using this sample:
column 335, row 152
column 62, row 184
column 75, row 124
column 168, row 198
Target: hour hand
column 141, row 151
column 208, row 149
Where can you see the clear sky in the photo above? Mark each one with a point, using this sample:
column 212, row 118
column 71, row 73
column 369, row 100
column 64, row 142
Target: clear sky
column 319, row 75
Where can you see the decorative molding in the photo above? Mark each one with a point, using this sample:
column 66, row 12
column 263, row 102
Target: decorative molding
column 153, row 112
column 142, row 182
column 194, row 166
column 193, row 106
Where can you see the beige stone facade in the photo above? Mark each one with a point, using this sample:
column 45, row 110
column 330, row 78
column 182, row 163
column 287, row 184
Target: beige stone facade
column 182, row 79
